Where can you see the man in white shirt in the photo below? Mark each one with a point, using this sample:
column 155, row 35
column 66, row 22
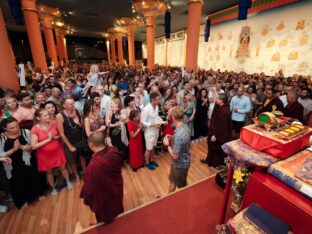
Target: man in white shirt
column 213, row 95
column 105, row 100
column 151, row 121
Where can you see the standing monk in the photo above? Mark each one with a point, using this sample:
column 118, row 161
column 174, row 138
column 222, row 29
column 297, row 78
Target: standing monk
column 219, row 132
column 103, row 185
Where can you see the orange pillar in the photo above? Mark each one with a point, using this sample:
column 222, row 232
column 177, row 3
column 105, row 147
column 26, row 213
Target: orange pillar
column 64, row 48
column 166, row 51
column 48, row 34
column 150, row 30
column 193, row 28
column 32, row 25
column 120, row 52
column 113, row 49
column 59, row 47
column 108, row 52
column 131, row 46
column 8, row 78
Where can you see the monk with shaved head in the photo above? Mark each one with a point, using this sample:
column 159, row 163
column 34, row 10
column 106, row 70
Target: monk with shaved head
column 103, row 185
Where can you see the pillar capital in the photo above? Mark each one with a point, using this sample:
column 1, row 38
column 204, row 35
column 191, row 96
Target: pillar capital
column 150, row 9
column 47, row 15
column 196, row 1
column 30, row 13
column 29, row 5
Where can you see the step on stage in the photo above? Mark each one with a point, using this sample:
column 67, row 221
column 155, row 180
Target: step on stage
column 193, row 209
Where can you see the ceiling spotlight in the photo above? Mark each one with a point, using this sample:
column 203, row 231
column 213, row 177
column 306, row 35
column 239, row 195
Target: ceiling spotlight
column 133, row 10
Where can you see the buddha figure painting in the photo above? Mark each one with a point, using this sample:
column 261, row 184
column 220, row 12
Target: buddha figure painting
column 265, row 30
column 304, row 40
column 281, row 26
column 276, row 57
column 270, row 43
column 300, row 25
column 293, row 55
column 243, row 51
column 283, row 43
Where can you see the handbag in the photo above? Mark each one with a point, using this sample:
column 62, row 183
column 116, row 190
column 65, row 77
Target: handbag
column 221, row 178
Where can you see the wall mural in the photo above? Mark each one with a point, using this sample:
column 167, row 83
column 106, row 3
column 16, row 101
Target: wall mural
column 266, row 42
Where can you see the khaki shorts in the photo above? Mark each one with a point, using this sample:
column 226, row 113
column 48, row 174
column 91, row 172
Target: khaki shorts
column 178, row 176
column 150, row 142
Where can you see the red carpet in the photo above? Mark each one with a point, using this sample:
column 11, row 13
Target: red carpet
column 192, row 210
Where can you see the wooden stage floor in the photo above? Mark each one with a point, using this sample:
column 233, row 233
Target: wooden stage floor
column 66, row 213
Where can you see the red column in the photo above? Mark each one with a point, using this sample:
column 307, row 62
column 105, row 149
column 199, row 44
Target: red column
column 131, row 46
column 108, row 52
column 193, row 28
column 113, row 49
column 48, row 34
column 59, row 47
column 64, row 48
column 120, row 52
column 8, row 77
column 150, row 31
column 32, row 25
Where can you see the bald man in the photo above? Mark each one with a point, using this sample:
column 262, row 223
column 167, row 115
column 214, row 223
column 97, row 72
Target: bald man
column 103, row 184
column 293, row 109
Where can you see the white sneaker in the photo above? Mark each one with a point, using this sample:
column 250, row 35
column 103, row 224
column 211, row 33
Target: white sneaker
column 4, row 209
column 69, row 186
column 54, row 192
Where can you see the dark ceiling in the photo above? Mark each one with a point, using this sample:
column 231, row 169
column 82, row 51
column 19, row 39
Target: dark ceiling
column 93, row 17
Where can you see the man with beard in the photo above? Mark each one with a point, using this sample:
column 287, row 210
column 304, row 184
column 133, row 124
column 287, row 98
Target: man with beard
column 270, row 101
column 306, row 102
column 103, row 185
column 240, row 106
column 25, row 113
column 69, row 125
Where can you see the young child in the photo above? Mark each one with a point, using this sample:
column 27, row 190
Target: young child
column 135, row 142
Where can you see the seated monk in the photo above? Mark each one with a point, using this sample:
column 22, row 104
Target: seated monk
column 270, row 101
column 294, row 109
column 103, row 184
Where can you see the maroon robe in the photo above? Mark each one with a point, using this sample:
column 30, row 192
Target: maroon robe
column 294, row 110
column 103, row 185
column 220, row 127
column 268, row 108
column 220, row 124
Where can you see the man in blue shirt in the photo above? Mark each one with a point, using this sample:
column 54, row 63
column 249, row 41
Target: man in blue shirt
column 240, row 106
column 123, row 85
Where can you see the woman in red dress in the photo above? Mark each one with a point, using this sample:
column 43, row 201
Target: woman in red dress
column 168, row 128
column 50, row 152
column 135, row 141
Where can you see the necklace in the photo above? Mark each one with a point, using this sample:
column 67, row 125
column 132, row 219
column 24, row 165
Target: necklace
column 69, row 122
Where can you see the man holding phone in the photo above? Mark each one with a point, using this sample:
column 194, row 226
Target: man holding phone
column 151, row 121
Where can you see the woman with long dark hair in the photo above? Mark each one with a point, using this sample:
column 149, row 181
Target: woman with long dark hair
column 24, row 182
column 201, row 116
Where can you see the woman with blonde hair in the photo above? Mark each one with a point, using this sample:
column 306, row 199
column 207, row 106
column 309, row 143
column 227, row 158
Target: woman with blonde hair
column 113, row 122
column 50, row 153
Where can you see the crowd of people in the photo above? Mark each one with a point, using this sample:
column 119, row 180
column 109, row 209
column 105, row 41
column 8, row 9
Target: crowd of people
column 46, row 127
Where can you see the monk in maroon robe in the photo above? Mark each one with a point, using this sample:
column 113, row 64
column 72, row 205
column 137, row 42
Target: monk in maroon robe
column 293, row 109
column 103, row 185
column 269, row 102
column 219, row 132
